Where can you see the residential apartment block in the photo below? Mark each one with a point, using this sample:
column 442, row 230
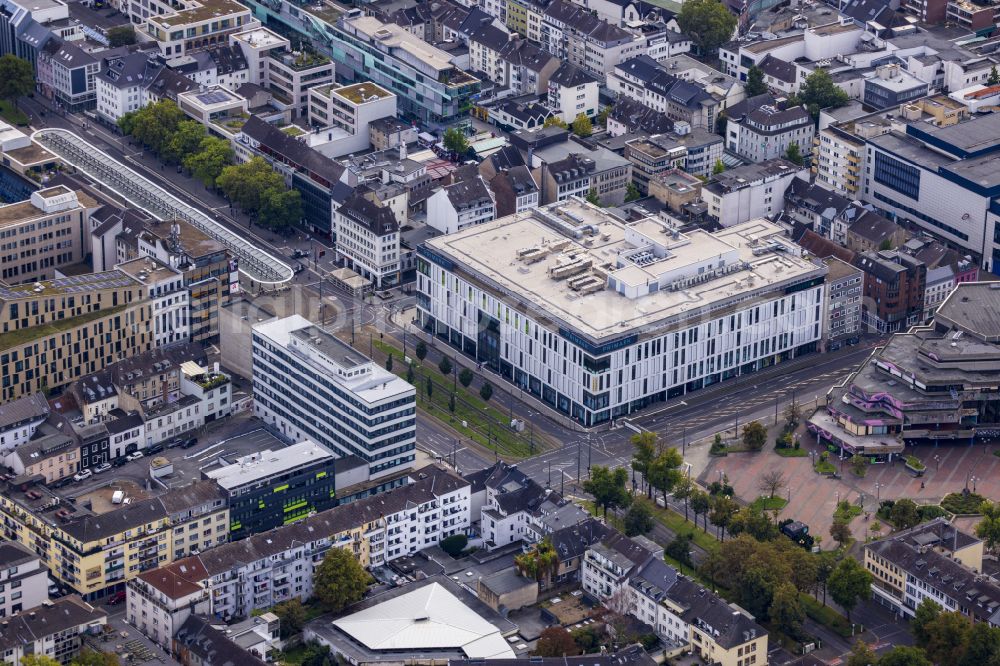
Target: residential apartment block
column 24, row 581
column 49, row 231
column 628, row 343
column 55, row 630
column 754, row 190
column 367, row 238
column 310, row 385
column 193, row 25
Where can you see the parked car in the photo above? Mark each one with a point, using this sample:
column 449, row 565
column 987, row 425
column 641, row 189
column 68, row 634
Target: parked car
column 82, row 475
column 116, row 598
column 103, row 467
column 134, row 456
column 156, row 448
column 189, row 443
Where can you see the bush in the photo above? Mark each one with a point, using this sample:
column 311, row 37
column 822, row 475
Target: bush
column 465, row 377
column 445, row 365
column 964, row 502
column 421, row 350
column 486, row 391
column 455, row 544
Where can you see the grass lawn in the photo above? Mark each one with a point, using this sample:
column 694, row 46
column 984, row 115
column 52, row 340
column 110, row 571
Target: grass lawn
column 11, row 114
column 486, row 423
column 825, row 467
column 792, row 453
column 961, row 503
column 775, row 503
column 845, row 512
column 293, row 656
column 914, row 463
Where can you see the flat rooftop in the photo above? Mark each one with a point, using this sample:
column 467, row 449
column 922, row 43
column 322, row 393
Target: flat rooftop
column 198, row 11
column 77, row 284
column 147, row 269
column 360, row 93
column 260, row 38
column 263, row 465
column 393, row 36
column 527, row 249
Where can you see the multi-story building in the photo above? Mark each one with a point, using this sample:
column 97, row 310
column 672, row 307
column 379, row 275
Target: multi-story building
column 429, row 83
column 212, row 389
column 870, row 232
column 754, row 190
column 351, row 109
column 461, row 205
column 55, row 630
column 767, row 132
column 842, row 310
column 291, row 74
column 933, row 561
column 310, row 385
column 651, row 157
column 814, row 205
column 889, row 86
column 566, row 178
column 575, row 35
column 894, row 289
column 167, row 296
column 209, row 271
column 56, row 331
column 47, row 232
column 71, row 73
column 20, row 419
column 514, row 190
column 676, row 189
column 367, row 238
column 159, row 601
column 631, row 341
column 193, row 25
column 838, row 160
column 973, row 16
column 53, row 454
column 267, row 489
column 24, row 582
column 945, row 269
column 573, row 91
column 928, row 384
column 120, row 85
column 646, row 81
column 565, row 167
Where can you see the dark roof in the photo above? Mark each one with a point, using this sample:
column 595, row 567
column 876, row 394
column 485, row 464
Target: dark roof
column 380, row 220
column 815, row 198
column 524, row 111
column 571, row 167
column 572, row 542
column 130, row 70
column 522, row 53
column 874, row 228
column 68, row 55
column 126, row 421
column 520, row 180
column 571, row 76
column 779, row 69
column 35, row 623
column 469, row 193
column 489, row 36
column 630, row 656
column 170, row 84
column 739, row 110
column 210, row 645
column 824, row 247
column 291, row 151
column 710, row 613
column 23, row 410
column 507, row 157
column 638, row 117
column 655, row 77
column 772, row 120
column 584, row 22
column 12, row 554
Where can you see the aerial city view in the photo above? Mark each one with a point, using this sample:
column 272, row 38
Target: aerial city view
column 500, row 332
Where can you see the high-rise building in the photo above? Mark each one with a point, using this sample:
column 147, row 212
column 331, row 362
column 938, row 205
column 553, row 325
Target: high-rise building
column 310, row 385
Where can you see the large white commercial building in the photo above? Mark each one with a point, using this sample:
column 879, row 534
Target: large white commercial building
column 598, row 318
column 310, row 385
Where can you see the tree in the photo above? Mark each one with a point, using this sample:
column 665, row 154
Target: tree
column 465, row 377
column 429, row 384
column 454, row 140
column 982, row 647
column 771, row 482
column 292, row 615
column 409, row 372
column 17, row 78
column 947, row 636
column 451, row 403
column 849, row 583
column 793, row 415
column 840, row 532
column 280, row 209
column 38, row 659
column 859, row 464
column 421, row 350
column 923, row 616
column 251, row 185
column 988, row 528
column 339, row 580
column 455, row 544
column 664, row 471
column 186, row 140
column 639, row 518
column 682, row 491
column 643, row 454
column 89, row 657
column 154, row 124
column 820, row 92
column 582, row 126
column 721, row 515
column 755, row 82
column 593, row 198
column 904, row 514
column 718, row 167
column 602, row 117
column 708, row 23
column 608, row 487
column 793, row 154
column 904, row 655
column 786, row 610
column 632, row 192
column 721, row 122
column 754, row 434
column 700, row 504
column 754, row 522
column 554, row 121
column 862, row 655
column 486, row 391
column 556, row 642
column 213, row 155
column 388, row 363
column 445, row 365
column 994, row 77
column 885, row 244
column 680, row 549
column 540, row 563
column 121, row 35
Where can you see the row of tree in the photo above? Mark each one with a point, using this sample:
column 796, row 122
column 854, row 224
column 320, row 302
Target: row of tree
column 86, row 657
column 260, row 191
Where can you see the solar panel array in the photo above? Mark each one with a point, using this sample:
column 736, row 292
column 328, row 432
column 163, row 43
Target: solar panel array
column 76, row 284
column 213, row 97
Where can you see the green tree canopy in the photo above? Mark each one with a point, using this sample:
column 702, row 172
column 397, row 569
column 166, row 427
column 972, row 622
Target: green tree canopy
column 17, row 77
column 455, row 544
column 292, row 615
column 820, row 92
column 455, row 141
column 280, row 209
column 185, row 141
column 154, row 125
column 486, row 391
column 947, row 637
column 786, row 610
column 213, row 155
column 793, row 154
column 927, row 611
column 465, row 377
column 38, row 660
column 988, row 528
column 340, row 580
column 664, row 471
column 608, row 487
column 755, row 82
column 639, row 517
column 722, row 512
column 754, row 435
column 708, row 23
column 556, row 642
column 632, row 192
column 718, row 167
column 554, row 121
column 904, row 514
column 582, row 126
column 540, row 563
column 904, row 655
column 849, row 583
column 862, row 655
column 643, row 453
column 994, row 77
column 252, row 185
column 700, row 503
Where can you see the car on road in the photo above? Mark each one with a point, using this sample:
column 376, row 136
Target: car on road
column 134, row 456
column 116, row 598
column 298, row 254
column 103, row 467
column 82, row 475
column 189, row 443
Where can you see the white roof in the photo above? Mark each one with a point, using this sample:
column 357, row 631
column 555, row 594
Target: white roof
column 430, row 618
